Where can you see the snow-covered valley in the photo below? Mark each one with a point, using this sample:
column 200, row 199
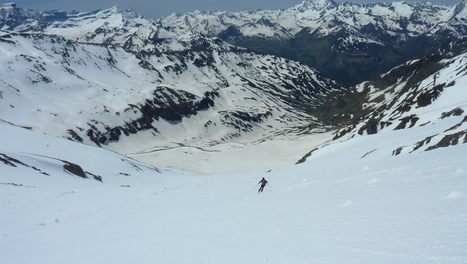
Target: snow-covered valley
column 352, row 202
column 377, row 198
column 148, row 145
column 108, row 97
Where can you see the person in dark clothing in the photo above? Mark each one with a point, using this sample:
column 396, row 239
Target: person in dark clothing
column 263, row 183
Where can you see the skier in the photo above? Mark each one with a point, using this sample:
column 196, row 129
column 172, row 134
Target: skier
column 263, row 183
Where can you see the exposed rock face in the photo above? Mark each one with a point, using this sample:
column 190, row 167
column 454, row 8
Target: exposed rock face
column 404, row 98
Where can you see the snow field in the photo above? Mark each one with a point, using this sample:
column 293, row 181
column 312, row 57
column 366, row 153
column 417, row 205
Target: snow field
column 351, row 202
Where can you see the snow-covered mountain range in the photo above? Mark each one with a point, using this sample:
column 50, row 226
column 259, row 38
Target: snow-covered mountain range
column 115, row 79
column 348, row 42
column 100, row 111
column 108, row 97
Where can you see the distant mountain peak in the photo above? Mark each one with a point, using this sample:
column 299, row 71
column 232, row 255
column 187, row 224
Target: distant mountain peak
column 128, row 13
column 379, row 35
column 318, row 3
column 15, row 18
column 308, row 5
column 8, row 5
column 460, row 10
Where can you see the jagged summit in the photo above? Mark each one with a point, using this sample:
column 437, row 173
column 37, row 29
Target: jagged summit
column 14, row 18
column 8, row 5
column 127, row 14
column 317, row 4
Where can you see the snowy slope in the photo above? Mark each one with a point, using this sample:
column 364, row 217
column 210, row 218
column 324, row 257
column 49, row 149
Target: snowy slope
column 419, row 93
column 202, row 97
column 391, row 193
column 351, row 202
column 31, row 158
column 137, row 105
column 361, row 198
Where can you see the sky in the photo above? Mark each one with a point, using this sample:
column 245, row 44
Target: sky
column 159, row 8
